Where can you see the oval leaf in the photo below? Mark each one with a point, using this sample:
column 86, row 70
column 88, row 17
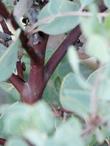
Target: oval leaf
column 73, row 97
column 107, row 3
column 69, row 134
column 57, row 23
column 8, row 59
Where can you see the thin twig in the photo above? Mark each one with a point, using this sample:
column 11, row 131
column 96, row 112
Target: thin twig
column 60, row 52
column 4, row 26
column 35, row 84
column 20, row 69
column 94, row 96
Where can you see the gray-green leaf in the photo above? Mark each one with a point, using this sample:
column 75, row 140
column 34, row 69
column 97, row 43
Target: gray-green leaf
column 73, row 97
column 8, row 59
column 57, row 23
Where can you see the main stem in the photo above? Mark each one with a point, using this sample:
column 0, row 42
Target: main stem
column 40, row 73
column 35, row 85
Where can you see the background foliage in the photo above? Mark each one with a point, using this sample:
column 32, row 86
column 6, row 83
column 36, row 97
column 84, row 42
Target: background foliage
column 75, row 105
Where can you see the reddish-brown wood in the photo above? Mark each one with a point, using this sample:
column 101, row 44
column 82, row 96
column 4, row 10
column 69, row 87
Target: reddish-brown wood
column 2, row 141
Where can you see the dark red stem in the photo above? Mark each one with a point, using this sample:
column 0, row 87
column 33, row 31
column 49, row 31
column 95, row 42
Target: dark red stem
column 60, row 52
column 20, row 69
column 17, row 82
column 35, row 85
column 4, row 26
column 2, row 141
column 3, row 11
column 32, row 90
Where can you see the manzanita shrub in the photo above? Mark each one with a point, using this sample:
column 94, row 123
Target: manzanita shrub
column 47, row 99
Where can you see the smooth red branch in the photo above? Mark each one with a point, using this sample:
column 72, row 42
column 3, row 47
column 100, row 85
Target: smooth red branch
column 102, row 7
column 37, row 52
column 35, row 85
column 60, row 52
column 17, row 82
column 37, row 63
column 40, row 74
column 20, row 69
column 2, row 141
column 3, row 11
column 4, row 26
